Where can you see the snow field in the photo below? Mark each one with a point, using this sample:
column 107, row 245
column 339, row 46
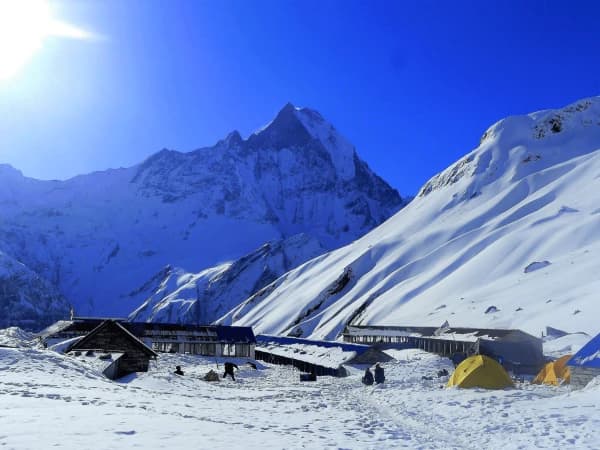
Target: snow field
column 48, row 400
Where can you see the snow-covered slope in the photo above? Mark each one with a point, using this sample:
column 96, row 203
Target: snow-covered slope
column 175, row 296
column 98, row 237
column 509, row 236
column 27, row 300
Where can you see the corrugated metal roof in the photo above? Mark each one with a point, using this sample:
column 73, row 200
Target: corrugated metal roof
column 141, row 329
column 115, row 327
column 56, row 327
column 384, row 330
column 285, row 340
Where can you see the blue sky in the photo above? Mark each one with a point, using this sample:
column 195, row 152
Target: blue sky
column 413, row 84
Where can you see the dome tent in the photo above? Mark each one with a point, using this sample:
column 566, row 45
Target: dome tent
column 555, row 372
column 480, row 371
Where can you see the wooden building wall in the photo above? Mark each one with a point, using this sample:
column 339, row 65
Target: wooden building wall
column 444, row 347
column 111, row 339
column 238, row 350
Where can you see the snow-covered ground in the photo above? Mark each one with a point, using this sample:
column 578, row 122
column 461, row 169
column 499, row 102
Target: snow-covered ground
column 16, row 337
column 49, row 400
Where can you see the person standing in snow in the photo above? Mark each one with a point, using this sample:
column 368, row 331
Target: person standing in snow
column 368, row 378
column 229, row 366
column 178, row 370
column 379, row 375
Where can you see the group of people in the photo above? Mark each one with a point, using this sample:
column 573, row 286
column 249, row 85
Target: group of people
column 229, row 366
column 368, row 379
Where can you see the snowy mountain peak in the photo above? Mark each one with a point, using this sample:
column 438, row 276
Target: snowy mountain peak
column 573, row 118
column 288, row 107
column 507, row 237
column 285, row 131
column 517, row 146
column 342, row 153
column 100, row 236
column 304, row 128
column 233, row 139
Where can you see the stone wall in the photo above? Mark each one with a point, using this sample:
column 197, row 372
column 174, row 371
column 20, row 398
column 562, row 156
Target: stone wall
column 581, row 376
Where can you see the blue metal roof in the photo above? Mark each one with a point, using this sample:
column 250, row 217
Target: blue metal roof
column 227, row 334
column 284, row 340
column 588, row 356
column 235, row 334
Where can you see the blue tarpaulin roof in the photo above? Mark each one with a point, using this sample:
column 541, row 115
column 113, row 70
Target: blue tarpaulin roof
column 588, row 356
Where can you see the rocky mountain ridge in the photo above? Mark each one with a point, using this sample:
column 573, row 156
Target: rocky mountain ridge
column 98, row 237
column 465, row 249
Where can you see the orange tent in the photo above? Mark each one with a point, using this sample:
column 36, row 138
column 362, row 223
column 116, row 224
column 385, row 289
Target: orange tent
column 555, row 372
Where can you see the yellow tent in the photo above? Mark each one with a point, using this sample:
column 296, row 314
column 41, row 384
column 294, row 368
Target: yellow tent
column 555, row 372
column 480, row 371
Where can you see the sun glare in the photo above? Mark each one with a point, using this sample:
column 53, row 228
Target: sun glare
column 24, row 24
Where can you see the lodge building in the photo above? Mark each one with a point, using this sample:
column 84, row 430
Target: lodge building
column 207, row 340
column 518, row 351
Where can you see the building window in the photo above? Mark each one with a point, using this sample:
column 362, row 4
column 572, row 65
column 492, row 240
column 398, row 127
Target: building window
column 166, row 347
column 209, row 349
column 229, row 349
column 240, row 350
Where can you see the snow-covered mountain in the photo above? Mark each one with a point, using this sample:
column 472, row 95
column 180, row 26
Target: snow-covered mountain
column 27, row 300
column 99, row 237
column 509, row 236
column 175, row 296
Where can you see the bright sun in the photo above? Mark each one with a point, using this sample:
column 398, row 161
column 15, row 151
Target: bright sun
column 24, row 24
